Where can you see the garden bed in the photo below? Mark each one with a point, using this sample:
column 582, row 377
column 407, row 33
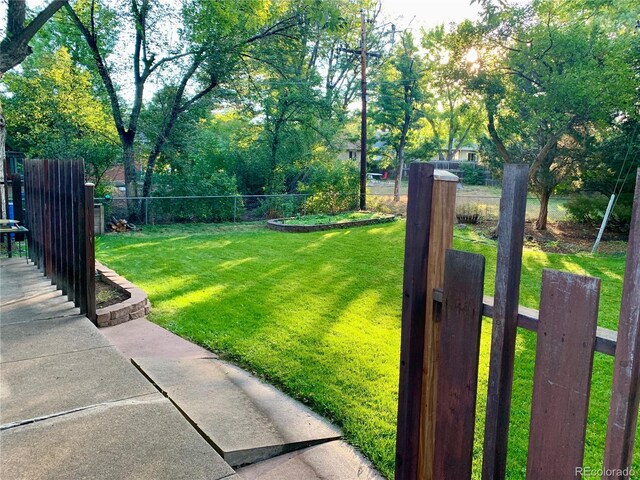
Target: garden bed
column 108, row 294
column 117, row 299
column 316, row 223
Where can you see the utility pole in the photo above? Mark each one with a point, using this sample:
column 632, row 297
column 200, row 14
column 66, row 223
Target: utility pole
column 362, row 51
column 363, row 119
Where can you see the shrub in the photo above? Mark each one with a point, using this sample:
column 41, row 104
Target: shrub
column 332, row 186
column 472, row 174
column 194, row 182
column 280, row 206
column 590, row 210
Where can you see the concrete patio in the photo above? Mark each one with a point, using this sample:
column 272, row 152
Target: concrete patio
column 136, row 401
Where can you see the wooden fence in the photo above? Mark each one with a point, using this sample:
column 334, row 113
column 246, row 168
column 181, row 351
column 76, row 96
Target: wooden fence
column 60, row 221
column 443, row 305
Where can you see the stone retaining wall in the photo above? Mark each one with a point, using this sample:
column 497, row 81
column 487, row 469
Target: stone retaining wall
column 136, row 306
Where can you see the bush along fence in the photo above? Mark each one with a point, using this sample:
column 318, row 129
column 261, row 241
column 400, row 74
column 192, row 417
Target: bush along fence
column 226, row 208
column 443, row 305
column 59, row 209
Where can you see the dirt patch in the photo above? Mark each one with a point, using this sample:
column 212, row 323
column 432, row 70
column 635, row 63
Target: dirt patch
column 565, row 237
column 107, row 294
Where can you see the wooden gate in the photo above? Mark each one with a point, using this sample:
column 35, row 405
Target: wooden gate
column 59, row 209
column 443, row 306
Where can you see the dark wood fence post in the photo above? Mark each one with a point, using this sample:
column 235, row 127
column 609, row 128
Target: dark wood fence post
column 414, row 306
column 458, row 365
column 56, row 279
column 75, row 188
column 89, row 246
column 80, row 240
column 47, row 217
column 27, row 198
column 513, row 206
column 623, row 413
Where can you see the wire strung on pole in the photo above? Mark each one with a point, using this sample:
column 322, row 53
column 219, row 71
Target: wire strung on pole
column 616, row 193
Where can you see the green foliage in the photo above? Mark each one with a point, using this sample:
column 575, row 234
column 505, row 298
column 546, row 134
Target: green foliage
column 452, row 114
column 323, row 219
column 472, row 174
column 195, row 181
column 332, row 186
column 612, row 165
column 553, row 76
column 400, row 93
column 51, row 112
column 590, row 210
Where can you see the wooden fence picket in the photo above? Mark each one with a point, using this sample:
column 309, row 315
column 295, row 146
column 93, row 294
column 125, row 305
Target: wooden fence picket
column 623, row 413
column 562, row 376
column 461, row 319
column 414, row 304
column 513, row 206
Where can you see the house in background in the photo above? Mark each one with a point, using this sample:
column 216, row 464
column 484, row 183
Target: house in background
column 115, row 176
column 468, row 153
column 350, row 151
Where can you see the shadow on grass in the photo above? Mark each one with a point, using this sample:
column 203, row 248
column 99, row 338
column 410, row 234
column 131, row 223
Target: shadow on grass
column 318, row 314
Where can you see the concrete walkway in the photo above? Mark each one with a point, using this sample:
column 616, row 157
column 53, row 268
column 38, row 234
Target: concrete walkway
column 257, row 429
column 136, row 401
column 71, row 406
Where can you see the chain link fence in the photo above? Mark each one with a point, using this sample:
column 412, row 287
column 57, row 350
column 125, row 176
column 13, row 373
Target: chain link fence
column 481, row 203
column 223, row 208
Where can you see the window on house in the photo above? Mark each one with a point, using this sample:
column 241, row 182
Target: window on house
column 471, row 156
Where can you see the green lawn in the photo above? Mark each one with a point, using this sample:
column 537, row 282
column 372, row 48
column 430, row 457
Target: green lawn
column 319, row 315
column 485, row 200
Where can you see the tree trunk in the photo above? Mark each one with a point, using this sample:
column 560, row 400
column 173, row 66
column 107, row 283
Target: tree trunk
column 541, row 222
column 130, row 180
column 398, row 181
column 401, row 146
column 14, row 48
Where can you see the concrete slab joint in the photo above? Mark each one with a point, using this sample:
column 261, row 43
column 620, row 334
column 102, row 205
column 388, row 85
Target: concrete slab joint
column 136, row 306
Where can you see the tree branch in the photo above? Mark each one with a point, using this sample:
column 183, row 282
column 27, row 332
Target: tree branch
column 14, row 48
column 276, row 29
column 502, row 150
column 548, row 146
column 102, row 70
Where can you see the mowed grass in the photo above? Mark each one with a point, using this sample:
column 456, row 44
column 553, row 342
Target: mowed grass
column 485, row 199
column 318, row 314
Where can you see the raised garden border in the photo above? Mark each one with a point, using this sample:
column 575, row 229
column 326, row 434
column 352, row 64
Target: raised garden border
column 136, row 306
column 276, row 224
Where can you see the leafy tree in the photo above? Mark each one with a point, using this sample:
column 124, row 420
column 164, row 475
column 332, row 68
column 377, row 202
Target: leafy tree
column 53, row 114
column 397, row 105
column 553, row 75
column 192, row 60
column 297, row 91
column 14, row 48
column 453, row 113
column 610, row 168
